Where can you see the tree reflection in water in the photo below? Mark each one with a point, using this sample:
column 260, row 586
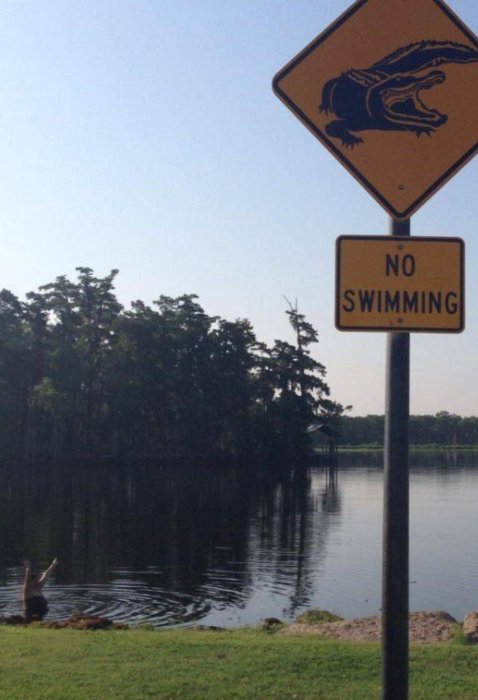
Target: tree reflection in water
column 141, row 542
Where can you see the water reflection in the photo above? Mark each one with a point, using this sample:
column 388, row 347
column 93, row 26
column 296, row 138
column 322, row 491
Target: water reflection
column 167, row 545
column 173, row 546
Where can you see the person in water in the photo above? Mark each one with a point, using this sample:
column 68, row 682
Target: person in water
column 35, row 604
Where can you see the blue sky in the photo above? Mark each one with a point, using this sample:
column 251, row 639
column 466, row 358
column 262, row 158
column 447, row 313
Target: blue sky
column 145, row 136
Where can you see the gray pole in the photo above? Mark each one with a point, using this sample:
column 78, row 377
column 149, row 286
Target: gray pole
column 396, row 509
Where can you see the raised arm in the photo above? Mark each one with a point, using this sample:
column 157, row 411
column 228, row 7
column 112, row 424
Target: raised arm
column 48, row 571
column 27, row 577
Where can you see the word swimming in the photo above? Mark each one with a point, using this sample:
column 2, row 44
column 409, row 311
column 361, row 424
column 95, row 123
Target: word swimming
column 400, row 301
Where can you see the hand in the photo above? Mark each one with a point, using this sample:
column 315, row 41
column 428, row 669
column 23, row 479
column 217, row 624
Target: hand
column 26, row 563
column 55, row 562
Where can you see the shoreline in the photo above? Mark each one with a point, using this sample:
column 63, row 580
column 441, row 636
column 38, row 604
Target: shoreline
column 427, row 627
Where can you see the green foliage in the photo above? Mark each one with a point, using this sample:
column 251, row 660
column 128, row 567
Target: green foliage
column 81, row 375
column 317, row 617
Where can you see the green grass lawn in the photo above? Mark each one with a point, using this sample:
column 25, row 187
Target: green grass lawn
column 45, row 664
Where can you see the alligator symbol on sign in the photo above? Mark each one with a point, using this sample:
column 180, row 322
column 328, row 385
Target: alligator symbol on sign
column 386, row 96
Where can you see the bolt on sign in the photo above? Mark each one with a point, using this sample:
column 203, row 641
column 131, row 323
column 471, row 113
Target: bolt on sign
column 398, row 283
column 391, row 89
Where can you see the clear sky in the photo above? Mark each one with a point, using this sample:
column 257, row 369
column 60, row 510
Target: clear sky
column 145, row 136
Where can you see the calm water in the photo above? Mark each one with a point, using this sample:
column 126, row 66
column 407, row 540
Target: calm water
column 176, row 547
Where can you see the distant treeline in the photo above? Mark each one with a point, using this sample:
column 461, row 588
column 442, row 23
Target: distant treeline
column 81, row 375
column 442, row 429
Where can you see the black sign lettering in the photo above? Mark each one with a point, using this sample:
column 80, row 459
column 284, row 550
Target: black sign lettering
column 400, row 266
column 451, row 306
column 349, row 295
column 400, row 301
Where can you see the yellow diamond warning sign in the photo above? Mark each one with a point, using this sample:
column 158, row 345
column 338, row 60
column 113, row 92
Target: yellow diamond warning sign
column 391, row 89
column 386, row 283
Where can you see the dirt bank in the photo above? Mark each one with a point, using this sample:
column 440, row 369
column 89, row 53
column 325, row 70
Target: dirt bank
column 424, row 628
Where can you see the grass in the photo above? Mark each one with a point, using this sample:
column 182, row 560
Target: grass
column 202, row 665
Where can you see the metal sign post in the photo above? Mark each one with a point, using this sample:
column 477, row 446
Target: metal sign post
column 359, row 87
column 395, row 510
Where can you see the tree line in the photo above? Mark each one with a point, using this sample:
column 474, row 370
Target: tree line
column 82, row 375
column 441, row 429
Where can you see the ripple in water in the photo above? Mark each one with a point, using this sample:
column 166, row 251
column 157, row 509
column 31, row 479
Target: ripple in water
column 127, row 600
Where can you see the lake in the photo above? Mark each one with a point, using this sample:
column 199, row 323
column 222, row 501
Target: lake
column 181, row 546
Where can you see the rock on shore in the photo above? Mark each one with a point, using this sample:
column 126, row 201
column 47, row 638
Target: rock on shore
column 424, row 627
